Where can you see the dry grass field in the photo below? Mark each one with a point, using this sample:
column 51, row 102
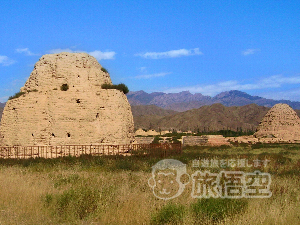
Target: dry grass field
column 115, row 190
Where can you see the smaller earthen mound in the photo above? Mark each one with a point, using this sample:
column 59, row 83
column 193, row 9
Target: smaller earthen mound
column 281, row 122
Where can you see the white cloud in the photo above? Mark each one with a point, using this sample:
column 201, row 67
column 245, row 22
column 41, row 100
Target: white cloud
column 292, row 95
column 250, row 51
column 26, row 51
column 142, row 69
column 148, row 76
column 4, row 99
column 275, row 81
column 99, row 55
column 103, row 55
column 278, row 80
column 5, row 61
column 59, row 50
column 170, row 54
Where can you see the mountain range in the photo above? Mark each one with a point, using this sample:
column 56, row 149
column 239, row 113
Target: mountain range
column 206, row 118
column 184, row 101
column 1, row 109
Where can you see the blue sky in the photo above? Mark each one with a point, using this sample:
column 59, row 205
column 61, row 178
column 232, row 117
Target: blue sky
column 204, row 46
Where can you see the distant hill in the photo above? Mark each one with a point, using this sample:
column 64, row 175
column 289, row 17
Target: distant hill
column 208, row 118
column 184, row 101
column 1, row 109
column 146, row 116
column 142, row 110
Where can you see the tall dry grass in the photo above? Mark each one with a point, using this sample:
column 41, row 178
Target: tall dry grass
column 106, row 190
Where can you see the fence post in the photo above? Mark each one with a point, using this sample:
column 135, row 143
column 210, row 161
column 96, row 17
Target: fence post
column 164, row 150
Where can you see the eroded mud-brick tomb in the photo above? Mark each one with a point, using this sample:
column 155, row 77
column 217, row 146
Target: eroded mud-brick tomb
column 63, row 104
column 280, row 123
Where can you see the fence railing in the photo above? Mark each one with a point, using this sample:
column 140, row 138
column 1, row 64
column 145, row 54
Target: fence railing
column 23, row 152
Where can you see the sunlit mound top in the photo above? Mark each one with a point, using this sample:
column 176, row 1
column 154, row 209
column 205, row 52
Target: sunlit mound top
column 75, row 69
column 281, row 121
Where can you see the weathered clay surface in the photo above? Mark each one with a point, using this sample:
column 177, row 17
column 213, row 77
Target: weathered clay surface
column 77, row 69
column 211, row 140
column 281, row 123
column 144, row 140
column 84, row 114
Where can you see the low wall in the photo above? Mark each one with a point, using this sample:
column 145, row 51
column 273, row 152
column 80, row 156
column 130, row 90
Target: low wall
column 25, row 152
column 144, row 140
column 212, row 140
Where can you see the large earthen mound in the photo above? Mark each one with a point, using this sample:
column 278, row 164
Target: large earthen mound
column 83, row 114
column 281, row 122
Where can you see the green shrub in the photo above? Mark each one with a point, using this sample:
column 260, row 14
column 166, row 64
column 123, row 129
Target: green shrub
column 48, row 199
column 72, row 179
column 121, row 87
column 64, row 87
column 175, row 140
column 17, row 95
column 170, row 213
column 104, row 70
column 34, row 90
column 73, row 203
column 107, row 86
column 156, row 139
column 125, row 164
column 216, row 209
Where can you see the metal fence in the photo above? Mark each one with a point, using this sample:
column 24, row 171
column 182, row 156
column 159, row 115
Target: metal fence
column 23, row 152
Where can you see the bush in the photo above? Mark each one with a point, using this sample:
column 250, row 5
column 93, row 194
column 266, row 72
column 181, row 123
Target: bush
column 17, row 95
column 216, row 209
column 104, row 70
column 72, row 179
column 170, row 213
column 156, row 139
column 121, row 87
column 76, row 203
column 107, row 86
column 64, row 87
